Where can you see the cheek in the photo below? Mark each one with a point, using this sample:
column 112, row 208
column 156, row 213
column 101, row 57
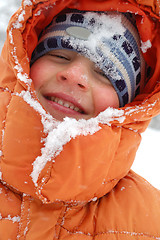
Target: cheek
column 105, row 97
column 36, row 73
column 41, row 71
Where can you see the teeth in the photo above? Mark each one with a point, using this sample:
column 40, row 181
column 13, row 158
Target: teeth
column 56, row 100
column 65, row 104
column 72, row 107
column 76, row 109
column 60, row 102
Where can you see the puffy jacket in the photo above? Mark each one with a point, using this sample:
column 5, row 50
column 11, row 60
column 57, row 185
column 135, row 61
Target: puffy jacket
column 72, row 180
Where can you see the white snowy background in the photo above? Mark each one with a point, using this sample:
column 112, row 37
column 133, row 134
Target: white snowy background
column 147, row 162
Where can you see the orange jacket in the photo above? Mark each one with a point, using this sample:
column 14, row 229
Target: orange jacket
column 72, row 180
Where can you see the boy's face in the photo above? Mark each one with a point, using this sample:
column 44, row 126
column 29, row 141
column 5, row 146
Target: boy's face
column 68, row 84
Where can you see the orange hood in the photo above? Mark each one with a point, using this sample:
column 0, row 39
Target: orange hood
column 71, row 161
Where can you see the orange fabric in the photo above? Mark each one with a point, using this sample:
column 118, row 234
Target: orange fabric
column 86, row 189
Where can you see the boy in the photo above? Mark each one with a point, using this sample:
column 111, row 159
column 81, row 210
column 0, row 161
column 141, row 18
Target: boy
column 105, row 77
column 74, row 98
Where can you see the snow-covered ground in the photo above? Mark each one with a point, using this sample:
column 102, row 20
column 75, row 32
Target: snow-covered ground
column 147, row 162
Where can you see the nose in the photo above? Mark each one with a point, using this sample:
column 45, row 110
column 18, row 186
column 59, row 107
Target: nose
column 75, row 74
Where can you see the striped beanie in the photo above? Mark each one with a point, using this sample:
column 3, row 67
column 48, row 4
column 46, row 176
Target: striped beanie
column 108, row 39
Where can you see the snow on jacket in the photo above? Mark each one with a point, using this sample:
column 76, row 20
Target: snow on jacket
column 72, row 180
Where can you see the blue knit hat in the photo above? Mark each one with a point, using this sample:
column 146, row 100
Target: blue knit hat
column 108, row 39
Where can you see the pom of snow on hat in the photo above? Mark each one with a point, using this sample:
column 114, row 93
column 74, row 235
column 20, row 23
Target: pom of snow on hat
column 108, row 39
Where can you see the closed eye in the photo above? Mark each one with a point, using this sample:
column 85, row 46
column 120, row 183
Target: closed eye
column 101, row 73
column 102, row 76
column 59, row 56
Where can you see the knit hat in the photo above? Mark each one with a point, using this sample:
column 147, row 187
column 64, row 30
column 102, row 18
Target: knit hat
column 108, row 39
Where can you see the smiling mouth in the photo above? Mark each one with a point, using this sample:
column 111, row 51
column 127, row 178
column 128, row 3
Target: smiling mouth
column 64, row 103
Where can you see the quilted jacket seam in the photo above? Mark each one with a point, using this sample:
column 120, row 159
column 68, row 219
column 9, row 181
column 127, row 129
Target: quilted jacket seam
column 115, row 232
